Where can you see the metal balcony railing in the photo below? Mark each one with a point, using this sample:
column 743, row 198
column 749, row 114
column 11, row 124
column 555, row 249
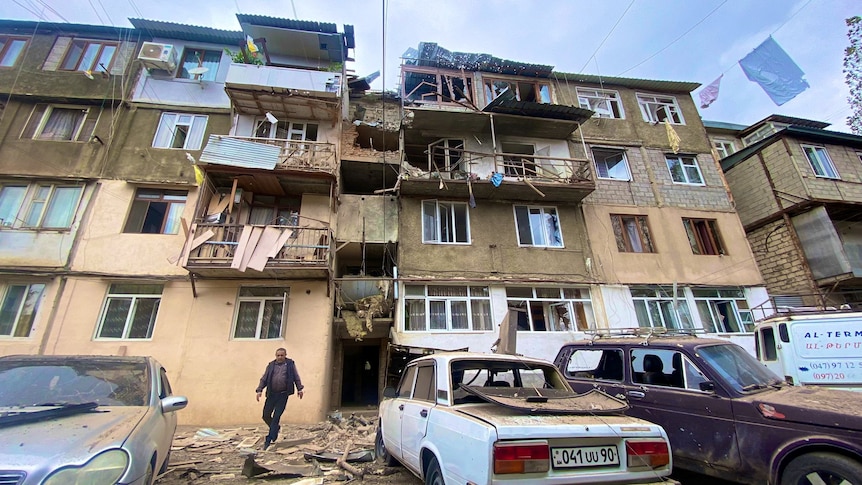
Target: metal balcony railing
column 453, row 163
column 291, row 245
column 313, row 156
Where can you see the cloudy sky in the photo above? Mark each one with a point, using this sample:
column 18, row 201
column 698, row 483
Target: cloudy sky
column 680, row 40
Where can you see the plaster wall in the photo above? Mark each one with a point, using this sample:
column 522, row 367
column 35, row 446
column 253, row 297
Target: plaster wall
column 372, row 218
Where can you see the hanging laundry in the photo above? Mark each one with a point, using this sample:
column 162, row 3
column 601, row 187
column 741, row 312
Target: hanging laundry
column 199, row 175
column 249, row 42
column 496, row 179
column 709, row 94
column 672, row 137
column 472, row 199
column 770, row 67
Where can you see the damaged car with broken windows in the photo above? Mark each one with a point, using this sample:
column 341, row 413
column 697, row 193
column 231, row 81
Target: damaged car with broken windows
column 466, row 417
column 84, row 419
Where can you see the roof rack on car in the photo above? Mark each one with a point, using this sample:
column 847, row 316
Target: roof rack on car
column 645, row 332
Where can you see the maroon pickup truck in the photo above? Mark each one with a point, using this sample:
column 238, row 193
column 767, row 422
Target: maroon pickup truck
column 726, row 415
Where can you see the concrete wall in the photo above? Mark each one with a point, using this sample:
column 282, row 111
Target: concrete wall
column 751, row 192
column 374, row 215
column 780, row 260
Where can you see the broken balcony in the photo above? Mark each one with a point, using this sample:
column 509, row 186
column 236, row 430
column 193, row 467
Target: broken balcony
column 271, row 154
column 364, row 307
column 255, row 251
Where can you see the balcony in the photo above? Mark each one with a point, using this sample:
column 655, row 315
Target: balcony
column 524, row 177
column 270, row 154
column 364, row 307
column 258, row 251
column 284, row 92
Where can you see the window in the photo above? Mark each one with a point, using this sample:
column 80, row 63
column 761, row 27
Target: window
column 703, row 236
column 61, row 123
column 662, row 367
column 285, row 130
column 820, row 161
column 723, row 310
column 436, row 87
column 177, row 130
column 447, row 155
column 518, row 160
column 130, row 311
column 656, row 109
column 611, row 163
column 259, row 312
column 18, row 305
column 156, row 211
column 551, row 309
column 199, row 59
column 11, row 49
column 595, row 364
column 531, row 91
column 426, row 384
column 762, row 132
column 684, row 169
column 89, row 55
column 632, row 233
column 655, row 306
column 724, row 148
column 39, row 205
column 606, row 104
column 765, row 345
column 445, row 222
column 447, row 308
column 538, row 226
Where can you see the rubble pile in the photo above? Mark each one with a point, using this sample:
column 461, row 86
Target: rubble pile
column 340, row 450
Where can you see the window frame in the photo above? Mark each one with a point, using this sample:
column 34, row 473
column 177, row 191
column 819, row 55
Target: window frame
column 824, row 161
column 262, row 300
column 128, row 325
column 669, row 103
column 443, row 80
column 162, row 124
column 198, row 77
column 696, row 228
column 21, row 319
column 472, row 293
column 452, row 215
column 37, row 122
column 30, row 199
column 608, row 97
column 644, row 234
column 489, row 90
column 738, row 303
column 8, row 40
column 542, row 227
column 163, row 198
column 95, row 62
column 536, row 301
column 681, row 160
column 721, row 147
column 660, row 299
column 616, row 151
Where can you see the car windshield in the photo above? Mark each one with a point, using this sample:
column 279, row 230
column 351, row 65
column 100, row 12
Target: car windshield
column 52, row 383
column 738, row 368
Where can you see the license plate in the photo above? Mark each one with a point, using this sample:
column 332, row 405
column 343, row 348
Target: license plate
column 583, row 456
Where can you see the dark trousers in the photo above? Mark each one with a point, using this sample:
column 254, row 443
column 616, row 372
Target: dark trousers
column 273, row 408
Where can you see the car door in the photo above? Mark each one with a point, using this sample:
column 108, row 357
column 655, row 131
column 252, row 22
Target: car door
column 167, row 422
column 665, row 388
column 588, row 368
column 414, row 417
column 395, row 410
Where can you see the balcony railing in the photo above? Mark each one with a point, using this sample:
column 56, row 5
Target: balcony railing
column 309, row 156
column 265, row 247
column 452, row 163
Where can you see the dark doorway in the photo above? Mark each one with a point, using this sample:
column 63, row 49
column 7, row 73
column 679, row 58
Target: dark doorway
column 360, row 375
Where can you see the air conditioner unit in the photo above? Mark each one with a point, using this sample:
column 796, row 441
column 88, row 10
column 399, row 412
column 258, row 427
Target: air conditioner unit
column 158, row 56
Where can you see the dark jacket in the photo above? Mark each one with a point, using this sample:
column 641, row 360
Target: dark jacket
column 293, row 379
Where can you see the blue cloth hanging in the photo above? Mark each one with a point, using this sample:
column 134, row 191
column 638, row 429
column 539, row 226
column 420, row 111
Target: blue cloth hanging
column 770, row 67
column 496, row 179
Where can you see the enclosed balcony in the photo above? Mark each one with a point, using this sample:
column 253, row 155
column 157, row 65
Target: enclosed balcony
column 283, row 91
column 271, row 154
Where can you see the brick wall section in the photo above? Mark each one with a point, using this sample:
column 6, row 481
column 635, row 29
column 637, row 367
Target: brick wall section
column 751, row 192
column 780, row 261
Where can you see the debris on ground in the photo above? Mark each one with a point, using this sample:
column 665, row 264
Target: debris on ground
column 340, row 450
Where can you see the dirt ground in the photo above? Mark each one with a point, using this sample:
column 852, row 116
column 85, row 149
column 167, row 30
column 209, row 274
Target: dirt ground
column 303, row 455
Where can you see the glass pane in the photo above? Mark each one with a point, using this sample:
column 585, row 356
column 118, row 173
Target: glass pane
column 12, row 52
column 155, row 217
column 181, row 132
column 693, row 175
column 447, row 291
column 88, row 62
column 104, row 62
column 246, row 319
column 415, row 290
column 144, row 317
column 519, row 292
column 461, row 223
column 459, row 315
column 537, row 228
column 262, row 291
column 62, row 207
column 114, row 321
column 272, row 316
column 429, row 221
column 481, row 312
column 522, row 222
column 28, row 313
column 196, row 135
column 438, row 315
column 172, row 225
column 576, row 293
column 415, row 315
column 11, row 198
column 165, row 132
column 642, row 314
column 706, row 316
column 479, row 291
column 676, row 172
column 9, row 310
column 547, row 292
column 72, row 56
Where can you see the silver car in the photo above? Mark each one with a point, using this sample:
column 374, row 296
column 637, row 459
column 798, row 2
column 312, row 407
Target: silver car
column 84, row 419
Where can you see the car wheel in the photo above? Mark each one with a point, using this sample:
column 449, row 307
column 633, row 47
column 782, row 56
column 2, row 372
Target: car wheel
column 165, row 463
column 380, row 451
column 433, row 474
column 822, row 468
column 148, row 477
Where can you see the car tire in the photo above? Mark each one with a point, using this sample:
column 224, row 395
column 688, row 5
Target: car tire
column 148, row 477
column 380, row 452
column 433, row 474
column 165, row 463
column 826, row 467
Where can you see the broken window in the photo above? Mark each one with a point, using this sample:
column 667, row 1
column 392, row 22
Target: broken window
column 656, row 109
column 39, row 205
column 429, row 308
column 445, row 222
column 447, row 155
column 517, row 161
column 723, row 310
column 632, row 234
column 61, row 123
column 655, row 306
column 259, row 312
column 437, row 87
column 530, row 91
column 538, row 226
column 684, row 169
column 18, row 305
column 130, row 311
column 611, row 163
column 542, row 309
column 156, row 211
column 703, row 236
column 179, row 130
column 606, row 104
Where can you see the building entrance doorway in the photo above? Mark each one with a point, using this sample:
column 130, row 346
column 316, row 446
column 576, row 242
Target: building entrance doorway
column 360, row 375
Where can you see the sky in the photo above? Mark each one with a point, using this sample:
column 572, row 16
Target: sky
column 677, row 40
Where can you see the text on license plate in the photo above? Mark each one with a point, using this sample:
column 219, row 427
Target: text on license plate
column 584, row 456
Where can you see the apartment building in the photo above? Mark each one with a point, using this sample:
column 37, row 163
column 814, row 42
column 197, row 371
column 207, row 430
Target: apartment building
column 797, row 190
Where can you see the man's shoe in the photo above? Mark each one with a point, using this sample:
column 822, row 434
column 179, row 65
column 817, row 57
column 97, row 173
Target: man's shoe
column 266, row 443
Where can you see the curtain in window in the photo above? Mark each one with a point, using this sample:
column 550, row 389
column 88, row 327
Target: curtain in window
column 553, row 228
column 481, row 310
column 246, row 319
column 62, row 207
column 211, row 60
column 272, row 314
column 61, row 124
column 633, row 235
column 415, row 315
column 172, row 225
column 437, row 316
column 460, row 320
column 196, row 134
column 164, row 134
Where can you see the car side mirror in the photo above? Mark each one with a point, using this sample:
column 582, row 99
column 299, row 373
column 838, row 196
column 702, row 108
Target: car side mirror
column 174, row 403
column 389, row 393
column 707, row 386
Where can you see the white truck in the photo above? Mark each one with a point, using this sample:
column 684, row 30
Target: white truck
column 463, row 417
column 815, row 349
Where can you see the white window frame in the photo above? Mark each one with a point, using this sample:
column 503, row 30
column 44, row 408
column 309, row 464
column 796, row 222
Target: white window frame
column 166, row 131
column 25, row 311
column 540, row 296
column 724, row 148
column 820, row 162
column 261, row 300
column 734, row 298
column 605, row 103
column 539, row 230
column 617, row 152
column 660, row 299
column 471, row 295
column 687, row 162
column 130, row 315
column 448, row 210
column 650, row 104
column 33, row 200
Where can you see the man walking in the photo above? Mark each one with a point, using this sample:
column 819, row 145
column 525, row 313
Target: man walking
column 279, row 379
